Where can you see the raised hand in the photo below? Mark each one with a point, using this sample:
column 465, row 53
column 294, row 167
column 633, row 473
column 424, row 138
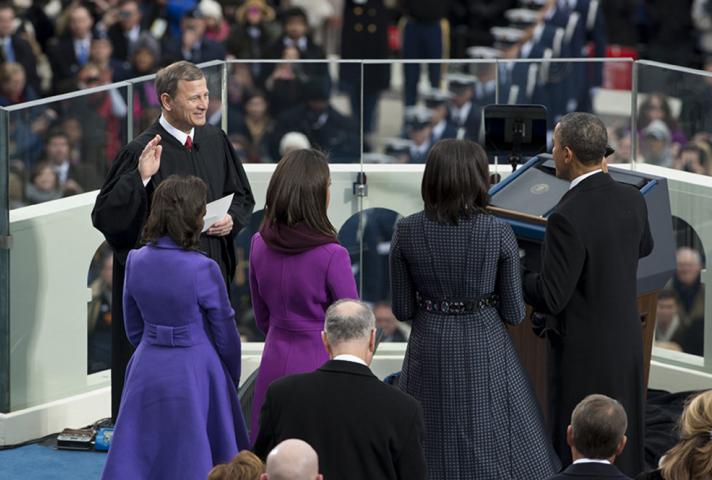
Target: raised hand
column 150, row 159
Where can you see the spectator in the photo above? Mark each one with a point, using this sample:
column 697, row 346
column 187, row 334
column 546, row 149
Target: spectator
column 423, row 33
column 244, row 466
column 464, row 114
column 656, row 145
column 192, row 44
column 691, row 457
column 667, row 322
column 257, row 127
column 656, row 106
column 292, row 141
column 688, row 288
column 622, row 142
column 442, row 126
column 418, row 127
column 15, row 49
column 326, row 128
column 100, row 53
column 596, row 436
column 691, row 158
column 296, row 35
column 73, row 176
column 99, row 318
column 255, row 31
column 13, row 85
column 126, row 34
column 284, row 83
column 363, row 429
column 387, row 323
column 43, row 186
column 68, row 53
column 216, row 28
column 292, row 459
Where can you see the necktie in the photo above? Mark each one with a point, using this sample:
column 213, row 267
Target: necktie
column 83, row 56
column 188, row 143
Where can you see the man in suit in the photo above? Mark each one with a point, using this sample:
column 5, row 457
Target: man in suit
column 359, row 426
column 587, row 286
column 192, row 45
column 69, row 53
column 293, row 459
column 127, row 33
column 596, row 437
column 15, row 49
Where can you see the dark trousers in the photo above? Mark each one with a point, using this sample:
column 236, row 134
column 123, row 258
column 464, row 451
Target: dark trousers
column 121, row 348
column 421, row 40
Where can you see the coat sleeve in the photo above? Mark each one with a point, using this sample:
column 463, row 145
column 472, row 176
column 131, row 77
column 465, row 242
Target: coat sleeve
column 646, row 240
column 402, row 290
column 259, row 306
column 133, row 321
column 509, row 284
column 410, row 464
column 564, row 254
column 340, row 280
column 122, row 204
column 236, row 182
column 213, row 300
column 265, row 441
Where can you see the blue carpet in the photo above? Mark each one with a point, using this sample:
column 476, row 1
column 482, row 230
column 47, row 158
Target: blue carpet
column 38, row 462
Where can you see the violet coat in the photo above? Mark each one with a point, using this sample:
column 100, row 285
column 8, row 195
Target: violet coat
column 180, row 414
column 290, row 295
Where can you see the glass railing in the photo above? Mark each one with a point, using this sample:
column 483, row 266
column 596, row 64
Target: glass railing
column 366, row 116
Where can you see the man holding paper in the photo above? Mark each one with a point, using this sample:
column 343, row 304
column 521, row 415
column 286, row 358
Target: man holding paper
column 181, row 143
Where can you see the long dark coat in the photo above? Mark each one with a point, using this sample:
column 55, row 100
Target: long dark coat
column 481, row 417
column 593, row 241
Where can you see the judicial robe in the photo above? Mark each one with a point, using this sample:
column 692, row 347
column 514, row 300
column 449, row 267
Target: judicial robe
column 588, row 284
column 123, row 204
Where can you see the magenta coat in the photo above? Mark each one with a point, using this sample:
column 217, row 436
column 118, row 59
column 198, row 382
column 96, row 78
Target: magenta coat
column 290, row 294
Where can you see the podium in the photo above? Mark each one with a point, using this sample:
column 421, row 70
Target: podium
column 528, row 196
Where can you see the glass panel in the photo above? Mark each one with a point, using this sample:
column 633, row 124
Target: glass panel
column 4, row 271
column 56, row 150
column 273, row 107
column 145, row 105
column 603, row 88
column 674, row 123
column 62, row 148
column 426, row 102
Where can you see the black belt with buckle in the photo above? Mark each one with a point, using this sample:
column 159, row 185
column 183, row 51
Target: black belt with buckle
column 457, row 306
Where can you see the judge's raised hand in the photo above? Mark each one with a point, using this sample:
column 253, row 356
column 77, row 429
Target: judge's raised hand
column 222, row 227
column 150, row 159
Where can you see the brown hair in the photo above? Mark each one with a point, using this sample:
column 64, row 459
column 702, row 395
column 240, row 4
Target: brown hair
column 244, row 466
column 456, row 180
column 168, row 77
column 691, row 458
column 297, row 192
column 177, row 210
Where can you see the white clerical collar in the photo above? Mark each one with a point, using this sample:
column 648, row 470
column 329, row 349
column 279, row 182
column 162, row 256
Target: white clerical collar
column 583, row 177
column 592, row 460
column 175, row 133
column 345, row 357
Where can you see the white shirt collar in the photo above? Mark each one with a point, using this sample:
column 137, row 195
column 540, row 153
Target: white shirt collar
column 460, row 114
column 134, row 33
column 592, row 460
column 175, row 133
column 583, row 177
column 439, row 128
column 62, row 171
column 345, row 357
column 300, row 43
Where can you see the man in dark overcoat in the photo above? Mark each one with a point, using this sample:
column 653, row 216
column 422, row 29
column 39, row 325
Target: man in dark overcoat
column 587, row 285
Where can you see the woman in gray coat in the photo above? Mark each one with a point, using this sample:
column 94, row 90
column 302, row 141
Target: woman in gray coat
column 455, row 276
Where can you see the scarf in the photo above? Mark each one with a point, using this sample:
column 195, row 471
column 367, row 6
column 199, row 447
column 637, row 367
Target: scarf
column 292, row 240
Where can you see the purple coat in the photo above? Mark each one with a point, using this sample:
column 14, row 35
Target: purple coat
column 179, row 411
column 290, row 294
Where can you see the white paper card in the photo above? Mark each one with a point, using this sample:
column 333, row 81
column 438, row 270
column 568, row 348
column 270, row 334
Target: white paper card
column 216, row 211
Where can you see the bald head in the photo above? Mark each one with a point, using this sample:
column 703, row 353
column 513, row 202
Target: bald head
column 689, row 265
column 292, row 459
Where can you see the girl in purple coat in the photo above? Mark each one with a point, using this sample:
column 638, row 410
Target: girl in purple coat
column 297, row 269
column 179, row 414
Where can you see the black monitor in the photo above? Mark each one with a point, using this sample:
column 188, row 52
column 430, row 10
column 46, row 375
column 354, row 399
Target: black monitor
column 513, row 131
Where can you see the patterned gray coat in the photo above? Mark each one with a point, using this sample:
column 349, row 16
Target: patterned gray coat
column 482, row 420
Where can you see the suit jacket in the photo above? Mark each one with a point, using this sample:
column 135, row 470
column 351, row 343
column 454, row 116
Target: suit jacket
column 208, row 50
column 590, row 471
column 25, row 56
column 588, row 283
column 360, row 427
column 64, row 63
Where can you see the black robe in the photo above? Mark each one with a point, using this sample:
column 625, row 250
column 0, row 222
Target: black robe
column 123, row 205
column 588, row 283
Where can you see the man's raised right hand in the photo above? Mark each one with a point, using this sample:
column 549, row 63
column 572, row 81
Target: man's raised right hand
column 150, row 159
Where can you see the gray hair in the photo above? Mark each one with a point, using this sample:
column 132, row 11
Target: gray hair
column 585, row 134
column 292, row 459
column 168, row 77
column 348, row 320
column 599, row 423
